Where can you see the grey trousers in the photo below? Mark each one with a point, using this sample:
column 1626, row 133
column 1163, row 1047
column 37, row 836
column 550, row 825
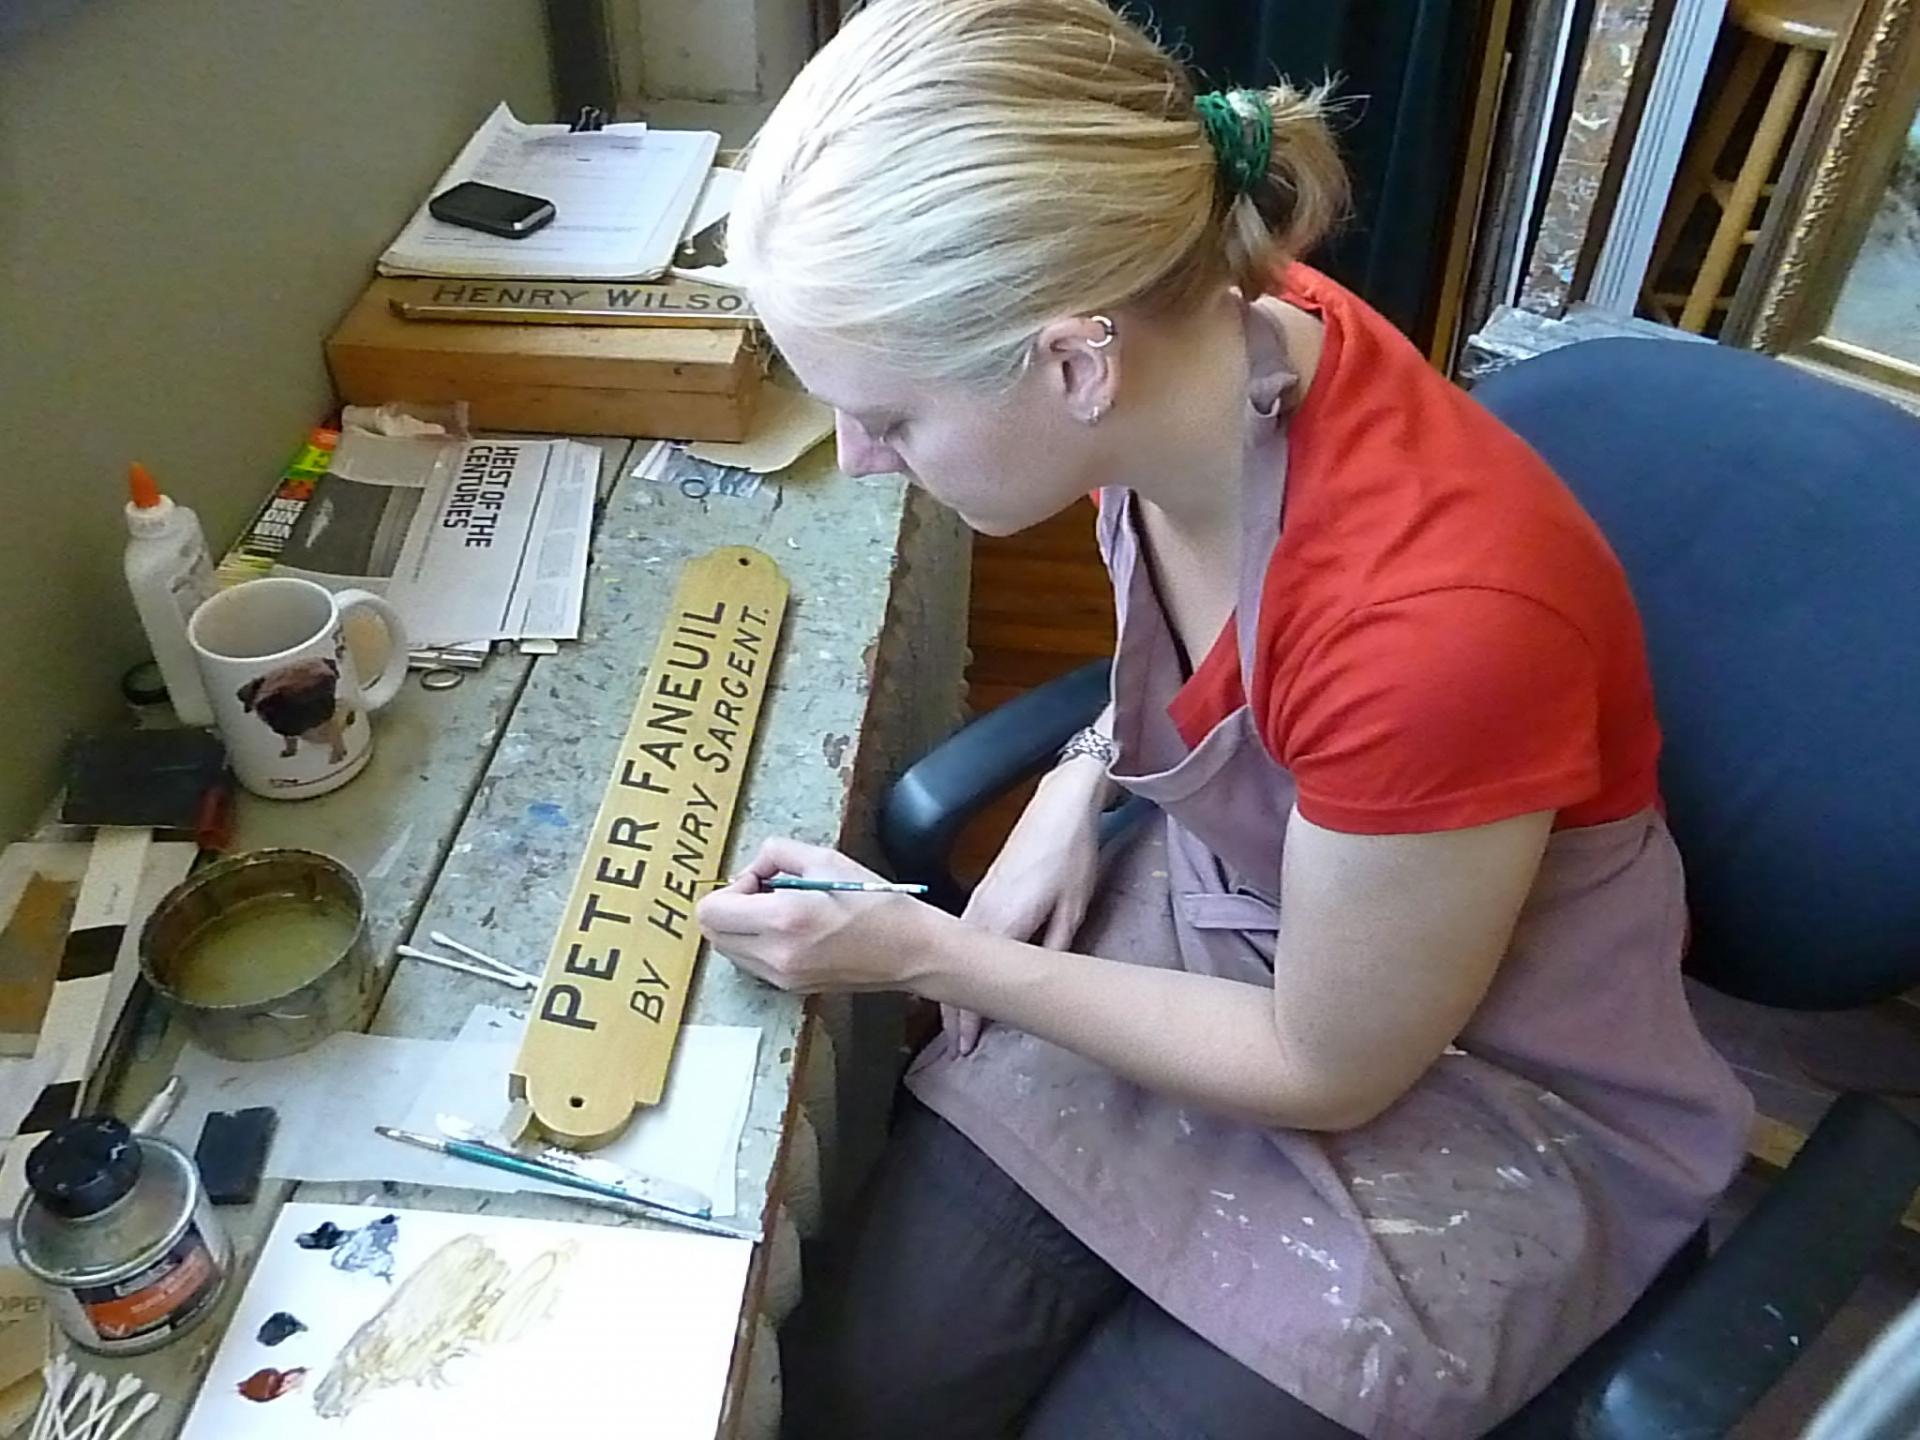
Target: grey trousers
column 953, row 1307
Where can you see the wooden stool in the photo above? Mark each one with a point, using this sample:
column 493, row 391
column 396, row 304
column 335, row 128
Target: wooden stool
column 1807, row 30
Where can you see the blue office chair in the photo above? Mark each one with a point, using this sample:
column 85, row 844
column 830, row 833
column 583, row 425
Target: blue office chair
column 1770, row 524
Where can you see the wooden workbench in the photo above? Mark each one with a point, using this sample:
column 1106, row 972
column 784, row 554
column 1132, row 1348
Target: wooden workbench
column 474, row 810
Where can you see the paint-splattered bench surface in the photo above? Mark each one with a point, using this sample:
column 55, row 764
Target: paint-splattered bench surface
column 472, row 820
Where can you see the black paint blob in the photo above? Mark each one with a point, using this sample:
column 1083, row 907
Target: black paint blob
column 279, row 1326
column 323, row 1236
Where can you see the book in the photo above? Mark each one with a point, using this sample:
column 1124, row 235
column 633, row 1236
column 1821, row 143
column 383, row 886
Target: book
column 622, row 198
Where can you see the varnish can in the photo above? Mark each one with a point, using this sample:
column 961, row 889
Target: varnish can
column 118, row 1228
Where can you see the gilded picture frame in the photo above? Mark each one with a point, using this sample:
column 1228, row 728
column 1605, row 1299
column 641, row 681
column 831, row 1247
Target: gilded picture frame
column 1848, row 218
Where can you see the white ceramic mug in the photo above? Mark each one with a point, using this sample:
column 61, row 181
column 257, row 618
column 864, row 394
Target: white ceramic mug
column 286, row 693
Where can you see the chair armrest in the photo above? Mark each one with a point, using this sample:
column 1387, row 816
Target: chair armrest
column 1745, row 1317
column 928, row 806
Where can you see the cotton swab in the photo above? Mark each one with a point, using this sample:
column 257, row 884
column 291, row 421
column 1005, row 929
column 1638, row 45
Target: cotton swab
column 518, row 980
column 102, row 1412
column 89, row 1388
column 54, row 1376
column 55, row 1401
column 66, row 1391
column 440, row 937
column 142, row 1408
column 85, row 1427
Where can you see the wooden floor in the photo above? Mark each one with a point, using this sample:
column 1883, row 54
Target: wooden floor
column 1041, row 606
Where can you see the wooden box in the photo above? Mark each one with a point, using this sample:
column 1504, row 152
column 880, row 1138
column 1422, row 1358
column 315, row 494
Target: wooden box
column 665, row 382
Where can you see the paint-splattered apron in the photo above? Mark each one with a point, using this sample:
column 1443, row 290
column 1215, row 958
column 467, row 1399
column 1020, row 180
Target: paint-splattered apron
column 1421, row 1277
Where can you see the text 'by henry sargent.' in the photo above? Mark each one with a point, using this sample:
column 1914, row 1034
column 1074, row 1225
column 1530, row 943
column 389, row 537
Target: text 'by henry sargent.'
column 651, row 855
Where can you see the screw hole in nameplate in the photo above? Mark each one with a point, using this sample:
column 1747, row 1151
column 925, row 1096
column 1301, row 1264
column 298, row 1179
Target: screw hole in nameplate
column 576, row 1102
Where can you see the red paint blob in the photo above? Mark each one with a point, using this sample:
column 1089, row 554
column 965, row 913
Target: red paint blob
column 270, row 1384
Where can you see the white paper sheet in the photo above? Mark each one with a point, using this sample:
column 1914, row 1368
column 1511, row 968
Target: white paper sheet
column 702, row 252
column 640, row 1325
column 691, row 1137
column 331, row 1097
column 727, row 274
column 22, row 1078
column 549, row 596
column 716, row 199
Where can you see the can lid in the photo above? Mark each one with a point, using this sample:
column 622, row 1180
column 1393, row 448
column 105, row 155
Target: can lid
column 84, row 1166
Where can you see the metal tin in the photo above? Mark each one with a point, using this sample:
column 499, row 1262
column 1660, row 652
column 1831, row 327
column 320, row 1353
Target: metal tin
column 339, row 997
column 132, row 1255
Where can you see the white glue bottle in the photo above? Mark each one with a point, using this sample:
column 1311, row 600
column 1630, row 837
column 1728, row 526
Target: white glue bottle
column 170, row 573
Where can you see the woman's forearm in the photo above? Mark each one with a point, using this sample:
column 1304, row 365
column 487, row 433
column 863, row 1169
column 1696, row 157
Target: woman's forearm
column 1194, row 1037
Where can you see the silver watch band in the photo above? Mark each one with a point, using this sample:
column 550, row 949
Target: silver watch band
column 1091, row 743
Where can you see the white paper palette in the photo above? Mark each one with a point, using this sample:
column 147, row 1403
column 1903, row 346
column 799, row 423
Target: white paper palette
column 595, row 1323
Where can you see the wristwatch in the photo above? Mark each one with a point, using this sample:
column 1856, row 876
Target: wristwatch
column 1091, row 743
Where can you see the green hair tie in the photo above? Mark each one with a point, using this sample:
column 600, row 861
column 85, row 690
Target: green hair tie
column 1239, row 126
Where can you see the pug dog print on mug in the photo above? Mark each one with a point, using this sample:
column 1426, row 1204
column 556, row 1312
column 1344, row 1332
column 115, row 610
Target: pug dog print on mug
column 287, row 692
column 301, row 701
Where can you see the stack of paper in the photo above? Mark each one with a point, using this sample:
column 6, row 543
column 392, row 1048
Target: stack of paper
column 622, row 198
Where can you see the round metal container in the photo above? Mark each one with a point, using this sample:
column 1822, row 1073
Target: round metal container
column 277, row 1022
column 132, row 1255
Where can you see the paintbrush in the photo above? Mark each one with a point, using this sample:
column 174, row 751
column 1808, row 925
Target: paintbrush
column 612, row 1196
column 648, row 1190
column 857, row 887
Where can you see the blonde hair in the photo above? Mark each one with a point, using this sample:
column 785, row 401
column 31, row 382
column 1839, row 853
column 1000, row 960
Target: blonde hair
column 946, row 176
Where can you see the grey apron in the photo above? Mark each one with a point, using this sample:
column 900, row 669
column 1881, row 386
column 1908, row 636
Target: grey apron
column 1421, row 1277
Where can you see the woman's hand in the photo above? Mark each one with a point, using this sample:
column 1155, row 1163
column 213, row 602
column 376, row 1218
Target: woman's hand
column 1040, row 884
column 806, row 941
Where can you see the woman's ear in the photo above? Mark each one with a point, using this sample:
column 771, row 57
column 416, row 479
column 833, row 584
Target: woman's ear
column 1078, row 357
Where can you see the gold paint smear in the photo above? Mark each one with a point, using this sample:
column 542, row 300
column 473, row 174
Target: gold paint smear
column 464, row 1296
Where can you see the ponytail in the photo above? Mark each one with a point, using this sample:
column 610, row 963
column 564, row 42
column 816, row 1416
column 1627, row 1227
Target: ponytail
column 1280, row 176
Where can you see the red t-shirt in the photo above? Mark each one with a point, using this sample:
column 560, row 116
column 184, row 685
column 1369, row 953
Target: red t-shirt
column 1445, row 638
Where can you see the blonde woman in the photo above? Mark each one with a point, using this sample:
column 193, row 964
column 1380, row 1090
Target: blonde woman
column 1361, row 1093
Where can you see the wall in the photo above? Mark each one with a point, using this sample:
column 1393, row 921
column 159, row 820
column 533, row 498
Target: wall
column 714, row 63
column 194, row 192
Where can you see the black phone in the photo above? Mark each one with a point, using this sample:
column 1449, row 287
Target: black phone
column 489, row 208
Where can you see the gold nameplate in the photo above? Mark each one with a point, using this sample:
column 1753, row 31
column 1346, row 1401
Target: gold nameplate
column 571, row 302
column 602, row 1027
